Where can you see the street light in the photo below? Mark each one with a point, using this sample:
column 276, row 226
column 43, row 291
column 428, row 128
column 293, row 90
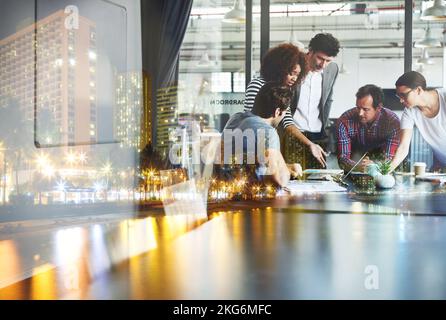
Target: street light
column 48, row 171
column 62, row 187
column 70, row 158
column 42, row 160
column 82, row 157
column 106, row 169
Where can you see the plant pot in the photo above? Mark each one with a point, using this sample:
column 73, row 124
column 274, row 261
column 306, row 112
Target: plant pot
column 386, row 181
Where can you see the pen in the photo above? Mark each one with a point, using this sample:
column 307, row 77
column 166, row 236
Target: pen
column 359, row 161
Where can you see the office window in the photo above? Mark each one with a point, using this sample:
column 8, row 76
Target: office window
column 221, row 82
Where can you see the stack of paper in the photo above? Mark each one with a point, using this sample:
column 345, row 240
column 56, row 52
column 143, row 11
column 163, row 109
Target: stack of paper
column 322, row 174
column 300, row 187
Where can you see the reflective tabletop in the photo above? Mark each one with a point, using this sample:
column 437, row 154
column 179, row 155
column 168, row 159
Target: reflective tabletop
column 347, row 245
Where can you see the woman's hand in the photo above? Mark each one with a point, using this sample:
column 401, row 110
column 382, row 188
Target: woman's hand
column 295, row 170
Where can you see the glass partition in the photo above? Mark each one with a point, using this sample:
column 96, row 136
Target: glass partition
column 79, row 71
column 428, row 51
column 371, row 34
column 70, row 104
column 212, row 64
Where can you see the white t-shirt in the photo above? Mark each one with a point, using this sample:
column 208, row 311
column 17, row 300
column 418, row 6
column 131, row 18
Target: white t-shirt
column 433, row 130
column 307, row 112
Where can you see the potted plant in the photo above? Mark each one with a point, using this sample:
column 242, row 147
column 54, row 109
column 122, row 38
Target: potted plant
column 384, row 179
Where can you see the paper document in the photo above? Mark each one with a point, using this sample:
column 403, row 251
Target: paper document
column 324, row 171
column 432, row 177
column 322, row 174
column 299, row 187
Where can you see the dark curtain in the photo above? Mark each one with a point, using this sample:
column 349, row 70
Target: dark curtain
column 174, row 20
column 164, row 23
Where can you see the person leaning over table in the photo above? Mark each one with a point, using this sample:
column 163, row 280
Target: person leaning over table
column 269, row 108
column 367, row 128
column 425, row 109
column 287, row 65
column 307, row 119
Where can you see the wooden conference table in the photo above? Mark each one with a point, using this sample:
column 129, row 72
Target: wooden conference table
column 308, row 246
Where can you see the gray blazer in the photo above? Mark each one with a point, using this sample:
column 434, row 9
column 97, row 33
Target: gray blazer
column 328, row 80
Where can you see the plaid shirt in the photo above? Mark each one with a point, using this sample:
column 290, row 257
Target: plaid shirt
column 353, row 136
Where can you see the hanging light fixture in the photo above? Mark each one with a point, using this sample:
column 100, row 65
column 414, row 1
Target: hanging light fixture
column 428, row 41
column 343, row 69
column 425, row 59
column 435, row 13
column 216, row 63
column 204, row 60
column 293, row 38
column 237, row 14
column 420, row 68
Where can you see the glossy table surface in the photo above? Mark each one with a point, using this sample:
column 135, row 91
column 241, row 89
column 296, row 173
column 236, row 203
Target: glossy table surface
column 385, row 245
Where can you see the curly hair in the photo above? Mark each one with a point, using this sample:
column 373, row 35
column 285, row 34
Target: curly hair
column 326, row 43
column 280, row 61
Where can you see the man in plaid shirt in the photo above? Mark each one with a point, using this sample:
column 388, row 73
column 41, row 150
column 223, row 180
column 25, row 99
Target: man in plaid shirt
column 367, row 128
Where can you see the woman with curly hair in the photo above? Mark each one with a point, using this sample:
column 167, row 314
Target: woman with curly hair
column 285, row 64
column 306, row 122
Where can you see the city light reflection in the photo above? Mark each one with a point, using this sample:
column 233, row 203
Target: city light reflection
column 43, row 283
column 9, row 262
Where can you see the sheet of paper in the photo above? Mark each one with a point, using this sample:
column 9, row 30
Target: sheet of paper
column 324, row 171
column 299, row 187
column 436, row 178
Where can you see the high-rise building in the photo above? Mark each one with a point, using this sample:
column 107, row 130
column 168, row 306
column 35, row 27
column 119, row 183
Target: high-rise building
column 50, row 69
column 127, row 116
column 166, row 119
column 146, row 124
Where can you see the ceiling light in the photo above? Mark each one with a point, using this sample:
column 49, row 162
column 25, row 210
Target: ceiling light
column 237, row 14
column 420, row 69
column 293, row 37
column 428, row 41
column 297, row 43
column 343, row 70
column 425, row 59
column 204, row 60
column 435, row 13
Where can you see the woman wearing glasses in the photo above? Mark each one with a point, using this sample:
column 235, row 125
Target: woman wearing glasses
column 426, row 109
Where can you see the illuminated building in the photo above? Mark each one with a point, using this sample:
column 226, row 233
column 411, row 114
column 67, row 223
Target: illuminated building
column 146, row 125
column 167, row 105
column 56, row 76
column 127, row 120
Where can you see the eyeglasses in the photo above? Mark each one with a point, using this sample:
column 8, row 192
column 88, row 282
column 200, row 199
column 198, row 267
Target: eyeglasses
column 403, row 95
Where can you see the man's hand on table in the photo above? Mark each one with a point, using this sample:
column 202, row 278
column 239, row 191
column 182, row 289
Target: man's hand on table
column 372, row 170
column 295, row 170
column 365, row 164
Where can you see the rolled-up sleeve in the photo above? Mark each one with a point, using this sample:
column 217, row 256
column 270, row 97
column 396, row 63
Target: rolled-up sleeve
column 393, row 139
column 344, row 145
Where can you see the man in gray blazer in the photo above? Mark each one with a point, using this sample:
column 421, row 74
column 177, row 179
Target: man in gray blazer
column 307, row 119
